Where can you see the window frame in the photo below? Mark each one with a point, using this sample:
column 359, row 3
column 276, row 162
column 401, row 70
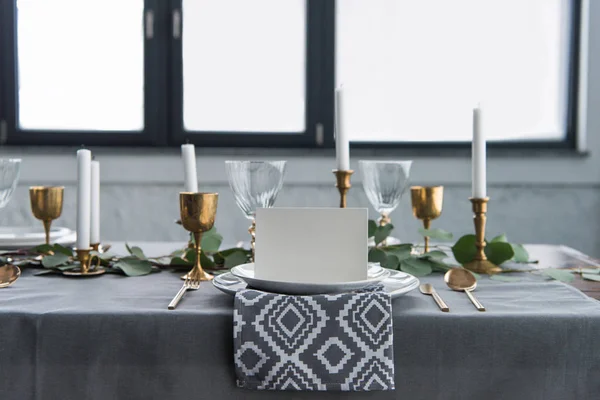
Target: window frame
column 316, row 96
column 163, row 101
column 569, row 142
column 155, row 80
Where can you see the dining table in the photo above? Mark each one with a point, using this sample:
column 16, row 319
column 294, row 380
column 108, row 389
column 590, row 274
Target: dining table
column 112, row 337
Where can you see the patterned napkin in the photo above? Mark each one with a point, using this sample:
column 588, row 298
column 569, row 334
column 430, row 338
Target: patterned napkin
column 322, row 342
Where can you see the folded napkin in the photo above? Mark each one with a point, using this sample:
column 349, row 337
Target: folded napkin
column 322, row 342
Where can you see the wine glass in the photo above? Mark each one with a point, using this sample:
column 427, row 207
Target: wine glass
column 255, row 184
column 10, row 170
column 384, row 183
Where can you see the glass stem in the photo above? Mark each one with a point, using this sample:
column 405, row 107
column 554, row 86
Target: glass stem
column 426, row 225
column 47, row 224
column 197, row 239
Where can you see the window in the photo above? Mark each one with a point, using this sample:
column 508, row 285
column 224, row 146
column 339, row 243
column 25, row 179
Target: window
column 414, row 70
column 263, row 72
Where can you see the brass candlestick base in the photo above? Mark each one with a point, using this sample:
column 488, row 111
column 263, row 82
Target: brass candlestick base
column 83, row 255
column 427, row 205
column 198, row 212
column 343, row 184
column 480, row 263
column 96, row 248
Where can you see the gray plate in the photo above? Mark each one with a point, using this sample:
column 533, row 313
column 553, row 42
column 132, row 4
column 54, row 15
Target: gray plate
column 396, row 283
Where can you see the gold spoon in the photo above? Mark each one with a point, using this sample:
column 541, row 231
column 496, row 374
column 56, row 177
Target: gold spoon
column 462, row 280
column 426, row 288
column 8, row 275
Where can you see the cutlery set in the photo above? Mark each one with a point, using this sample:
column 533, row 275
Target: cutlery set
column 458, row 279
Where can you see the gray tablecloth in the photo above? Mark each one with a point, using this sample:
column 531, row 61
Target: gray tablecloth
column 112, row 337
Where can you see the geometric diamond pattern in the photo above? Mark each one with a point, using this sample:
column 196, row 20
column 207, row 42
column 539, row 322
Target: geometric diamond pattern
column 324, row 354
column 322, row 342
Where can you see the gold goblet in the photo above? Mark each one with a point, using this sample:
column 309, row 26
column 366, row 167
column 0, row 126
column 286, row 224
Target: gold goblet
column 198, row 211
column 46, row 204
column 427, row 205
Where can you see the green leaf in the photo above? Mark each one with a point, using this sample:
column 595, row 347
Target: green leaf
column 500, row 238
column 504, row 278
column 391, row 262
column 435, row 254
column 133, row 266
column 436, row 234
column 562, row 275
column 44, row 249
column 206, row 262
column 128, row 248
column 190, row 255
column 211, row 240
column 438, row 265
column 63, row 250
column 464, row 249
column 376, row 255
column 416, row 267
column 521, row 254
column 179, row 261
column 55, row 260
column 382, row 232
column 499, row 252
column 137, row 252
column 178, row 253
column 235, row 258
column 372, row 228
column 401, row 251
column 67, row 267
column 591, row 277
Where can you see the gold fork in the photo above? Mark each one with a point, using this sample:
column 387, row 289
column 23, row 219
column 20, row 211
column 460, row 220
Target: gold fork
column 188, row 284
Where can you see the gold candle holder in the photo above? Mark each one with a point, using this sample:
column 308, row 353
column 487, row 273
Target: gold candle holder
column 46, row 205
column 427, row 205
column 480, row 263
column 198, row 212
column 85, row 260
column 343, row 184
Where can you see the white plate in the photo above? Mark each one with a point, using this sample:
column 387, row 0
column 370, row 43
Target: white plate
column 12, row 238
column 396, row 284
column 246, row 272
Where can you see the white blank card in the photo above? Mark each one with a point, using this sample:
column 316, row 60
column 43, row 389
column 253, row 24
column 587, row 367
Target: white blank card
column 311, row 245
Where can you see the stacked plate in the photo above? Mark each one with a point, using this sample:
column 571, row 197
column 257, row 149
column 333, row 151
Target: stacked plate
column 395, row 283
column 14, row 238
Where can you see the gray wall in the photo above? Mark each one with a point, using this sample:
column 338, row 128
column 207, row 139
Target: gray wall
column 537, row 197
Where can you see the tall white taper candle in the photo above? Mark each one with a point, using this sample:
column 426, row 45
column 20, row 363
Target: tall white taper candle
column 84, row 159
column 95, row 194
column 342, row 144
column 478, row 157
column 190, row 180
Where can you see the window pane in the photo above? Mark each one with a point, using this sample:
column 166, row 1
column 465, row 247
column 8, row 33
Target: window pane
column 81, row 64
column 413, row 70
column 244, row 65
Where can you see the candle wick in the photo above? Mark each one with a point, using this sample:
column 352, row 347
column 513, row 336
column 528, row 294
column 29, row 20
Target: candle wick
column 187, row 140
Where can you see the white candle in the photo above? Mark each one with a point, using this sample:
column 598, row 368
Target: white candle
column 95, row 203
column 342, row 145
column 190, row 180
column 479, row 157
column 84, row 159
